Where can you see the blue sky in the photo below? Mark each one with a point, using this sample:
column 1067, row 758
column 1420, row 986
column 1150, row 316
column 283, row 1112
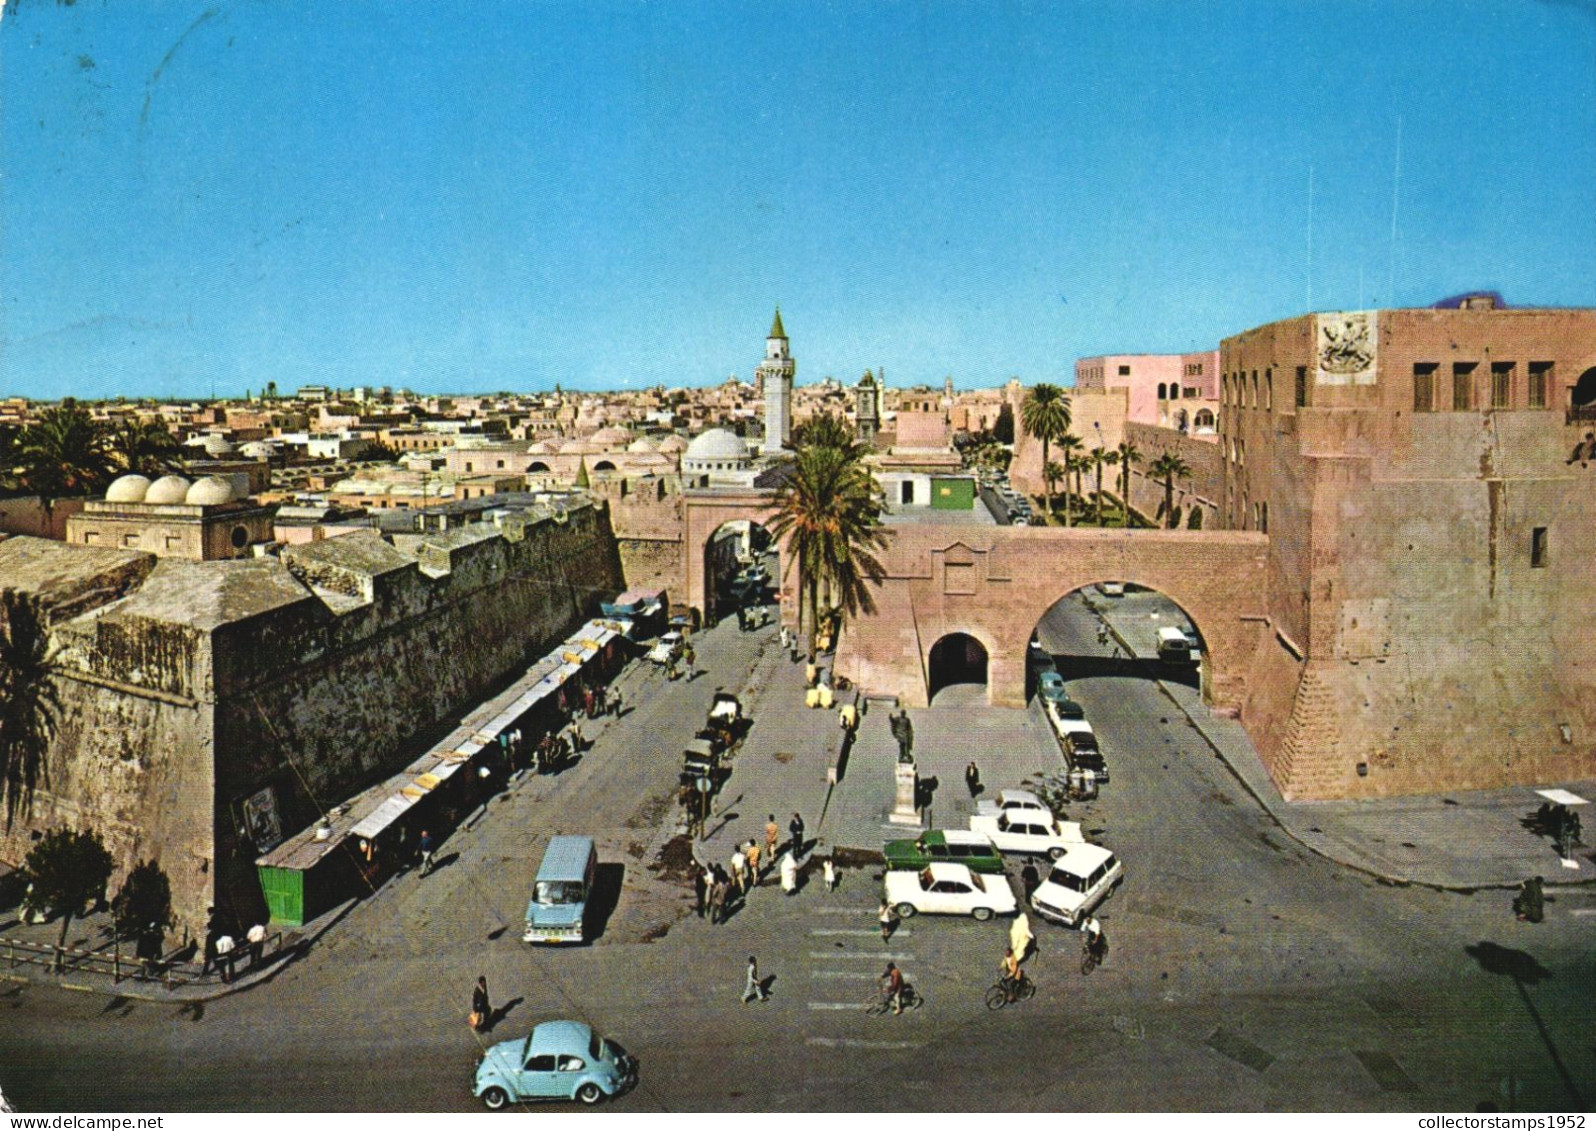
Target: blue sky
column 458, row 196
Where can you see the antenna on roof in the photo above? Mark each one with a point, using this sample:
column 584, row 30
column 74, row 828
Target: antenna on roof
column 1396, row 186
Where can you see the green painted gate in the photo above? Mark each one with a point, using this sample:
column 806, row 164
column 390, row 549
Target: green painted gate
column 284, row 889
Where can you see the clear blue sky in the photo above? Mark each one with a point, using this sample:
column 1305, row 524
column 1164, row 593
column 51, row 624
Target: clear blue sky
column 453, row 195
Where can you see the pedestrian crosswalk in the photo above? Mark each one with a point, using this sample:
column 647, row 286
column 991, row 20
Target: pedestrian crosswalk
column 843, row 980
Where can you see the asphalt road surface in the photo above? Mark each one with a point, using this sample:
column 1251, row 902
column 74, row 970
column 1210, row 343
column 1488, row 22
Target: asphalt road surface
column 1245, row 973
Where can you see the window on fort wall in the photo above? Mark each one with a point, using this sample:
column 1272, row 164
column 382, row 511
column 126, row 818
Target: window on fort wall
column 1462, row 386
column 1502, row 384
column 1424, row 386
column 1254, row 388
column 1302, row 386
column 1539, row 377
column 1269, row 390
column 1538, row 547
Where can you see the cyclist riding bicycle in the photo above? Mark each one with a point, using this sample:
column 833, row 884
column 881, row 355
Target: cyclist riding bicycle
column 1011, row 974
column 1094, row 943
column 892, row 987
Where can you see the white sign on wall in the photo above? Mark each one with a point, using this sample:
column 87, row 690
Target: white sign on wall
column 1346, row 346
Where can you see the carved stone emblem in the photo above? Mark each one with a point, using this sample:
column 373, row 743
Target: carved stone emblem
column 1345, row 348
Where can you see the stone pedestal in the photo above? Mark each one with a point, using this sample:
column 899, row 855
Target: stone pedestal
column 903, row 810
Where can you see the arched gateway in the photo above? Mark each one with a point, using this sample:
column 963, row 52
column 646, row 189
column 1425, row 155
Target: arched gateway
column 993, row 584
column 705, row 511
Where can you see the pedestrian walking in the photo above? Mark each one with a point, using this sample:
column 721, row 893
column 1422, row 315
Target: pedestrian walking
column 754, row 987
column 972, row 778
column 789, row 873
column 828, row 872
column 1021, row 941
column 717, row 899
column 256, row 938
column 479, row 1004
column 576, row 736
column 1030, row 880
column 700, row 891
column 752, row 853
column 689, row 657
column 796, row 828
column 739, row 869
column 428, row 847
column 889, row 921
column 786, row 638
column 224, row 956
column 1531, row 902
column 615, row 701
column 772, row 836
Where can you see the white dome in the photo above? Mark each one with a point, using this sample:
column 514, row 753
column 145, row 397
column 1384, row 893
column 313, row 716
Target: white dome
column 127, row 489
column 256, row 449
column 672, row 443
column 610, row 436
column 717, row 444
column 219, row 446
column 210, row 491
column 168, row 489
column 642, row 444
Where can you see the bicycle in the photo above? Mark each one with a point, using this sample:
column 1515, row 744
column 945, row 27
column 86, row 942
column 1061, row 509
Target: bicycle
column 1092, row 956
column 998, row 996
column 881, row 1002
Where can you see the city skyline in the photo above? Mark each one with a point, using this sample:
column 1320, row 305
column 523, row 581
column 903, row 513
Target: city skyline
column 203, row 200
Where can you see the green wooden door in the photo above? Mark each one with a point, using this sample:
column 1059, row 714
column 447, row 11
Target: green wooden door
column 284, row 889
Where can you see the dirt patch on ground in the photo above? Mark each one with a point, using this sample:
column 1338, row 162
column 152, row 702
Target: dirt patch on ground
column 857, row 858
column 649, row 813
column 783, row 756
column 635, row 850
column 675, row 860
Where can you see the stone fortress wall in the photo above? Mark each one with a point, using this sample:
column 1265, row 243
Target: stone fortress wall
column 187, row 687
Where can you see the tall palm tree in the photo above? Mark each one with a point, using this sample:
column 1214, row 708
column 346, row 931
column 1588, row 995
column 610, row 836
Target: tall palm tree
column 1071, row 445
column 29, row 707
column 1099, row 457
column 1077, row 464
column 830, row 511
column 825, row 430
column 143, row 446
column 1045, row 412
column 8, row 452
column 1169, row 467
column 63, row 454
column 1052, row 472
column 1129, row 454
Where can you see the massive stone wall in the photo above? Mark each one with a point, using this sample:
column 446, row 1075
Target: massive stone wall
column 1205, row 488
column 311, row 675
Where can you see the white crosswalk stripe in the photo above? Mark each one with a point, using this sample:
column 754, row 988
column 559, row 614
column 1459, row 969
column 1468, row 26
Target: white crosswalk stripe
column 858, row 931
column 882, row 956
column 844, row 975
column 856, row 1043
column 837, row 1005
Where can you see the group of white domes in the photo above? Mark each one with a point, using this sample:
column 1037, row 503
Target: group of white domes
column 208, row 491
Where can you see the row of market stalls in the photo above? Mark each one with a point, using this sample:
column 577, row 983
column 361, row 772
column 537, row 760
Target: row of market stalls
column 358, row 844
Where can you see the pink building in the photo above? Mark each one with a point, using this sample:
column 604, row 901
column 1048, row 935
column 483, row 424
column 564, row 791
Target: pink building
column 1156, row 382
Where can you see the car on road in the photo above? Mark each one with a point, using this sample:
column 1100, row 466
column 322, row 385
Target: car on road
column 944, row 846
column 1083, row 753
column 1077, row 883
column 1112, row 588
column 1013, row 801
column 1020, row 520
column 666, row 648
column 1029, row 832
column 1063, row 709
column 558, row 1060
column 1050, row 685
column 949, row 889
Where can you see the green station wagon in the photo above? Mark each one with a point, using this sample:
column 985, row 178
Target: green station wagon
column 951, row 846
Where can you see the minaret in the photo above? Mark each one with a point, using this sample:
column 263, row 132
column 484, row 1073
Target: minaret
column 867, row 409
column 774, row 376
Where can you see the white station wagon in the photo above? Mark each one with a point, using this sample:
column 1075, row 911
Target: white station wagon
column 1013, row 801
column 950, row 889
column 1077, row 883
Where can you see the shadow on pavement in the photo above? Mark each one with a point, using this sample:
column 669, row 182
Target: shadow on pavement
column 1525, row 971
column 606, row 895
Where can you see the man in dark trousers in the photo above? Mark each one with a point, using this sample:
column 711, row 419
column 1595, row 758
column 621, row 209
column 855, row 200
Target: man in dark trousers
column 796, row 828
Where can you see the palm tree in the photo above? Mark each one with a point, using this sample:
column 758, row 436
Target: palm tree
column 8, row 452
column 146, row 447
column 1052, row 472
column 1045, row 412
column 1078, row 464
column 63, row 454
column 1129, row 454
column 29, row 706
column 827, row 430
column 1169, row 467
column 830, row 511
column 1071, row 445
column 1099, row 457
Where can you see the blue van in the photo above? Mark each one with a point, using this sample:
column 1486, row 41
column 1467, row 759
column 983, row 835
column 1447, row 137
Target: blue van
column 558, row 911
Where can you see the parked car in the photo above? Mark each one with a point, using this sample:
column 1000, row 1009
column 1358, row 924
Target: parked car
column 666, row 648
column 950, row 846
column 1050, row 685
column 1112, row 589
column 1083, row 753
column 557, row 1060
column 950, row 889
column 1029, row 832
column 1077, row 883
column 1013, row 801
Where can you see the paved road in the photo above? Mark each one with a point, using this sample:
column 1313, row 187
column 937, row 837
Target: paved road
column 1245, row 973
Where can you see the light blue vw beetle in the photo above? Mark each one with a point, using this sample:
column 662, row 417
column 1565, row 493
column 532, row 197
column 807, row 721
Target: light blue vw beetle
column 557, row 1060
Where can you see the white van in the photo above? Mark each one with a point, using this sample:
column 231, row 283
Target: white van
column 557, row 912
column 1173, row 646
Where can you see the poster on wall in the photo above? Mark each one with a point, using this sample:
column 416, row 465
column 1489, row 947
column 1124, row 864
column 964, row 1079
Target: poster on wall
column 261, row 821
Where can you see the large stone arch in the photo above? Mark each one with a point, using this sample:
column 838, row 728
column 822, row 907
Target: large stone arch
column 995, row 583
column 704, row 512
